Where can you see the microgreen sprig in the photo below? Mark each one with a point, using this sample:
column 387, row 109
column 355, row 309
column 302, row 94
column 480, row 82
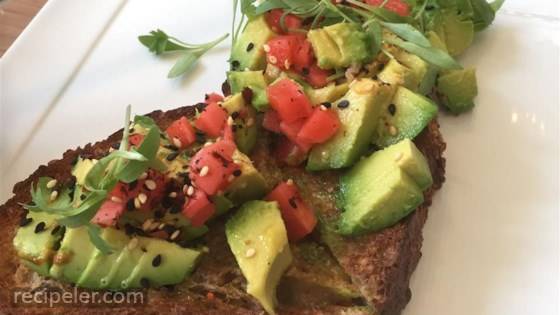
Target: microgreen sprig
column 158, row 42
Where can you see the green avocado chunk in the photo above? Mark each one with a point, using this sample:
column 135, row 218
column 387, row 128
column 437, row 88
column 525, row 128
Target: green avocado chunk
column 249, row 185
column 245, row 122
column 239, row 80
column 455, row 31
column 405, row 117
column 257, row 237
column 383, row 188
column 458, row 88
column 248, row 52
column 73, row 256
column 340, row 45
column 425, row 73
column 35, row 241
column 397, row 74
column 328, row 93
column 359, row 112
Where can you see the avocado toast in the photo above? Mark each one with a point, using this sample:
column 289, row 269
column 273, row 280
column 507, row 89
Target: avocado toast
column 303, row 189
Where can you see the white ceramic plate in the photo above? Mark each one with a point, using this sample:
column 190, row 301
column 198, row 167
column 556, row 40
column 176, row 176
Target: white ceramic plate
column 491, row 242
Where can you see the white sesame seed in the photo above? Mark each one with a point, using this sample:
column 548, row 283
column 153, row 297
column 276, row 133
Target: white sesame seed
column 143, row 176
column 250, row 252
column 323, row 108
column 250, row 122
column 204, row 171
column 272, row 59
column 137, row 203
column 175, row 234
column 290, row 181
column 231, row 178
column 132, row 244
column 287, row 64
column 154, row 226
column 51, row 183
column 185, row 188
column 142, row 198
column 393, row 130
column 116, row 199
column 236, row 162
column 54, row 195
column 161, row 226
column 173, row 194
column 177, row 142
column 111, row 150
column 150, row 184
column 190, row 191
column 146, row 225
column 209, row 143
column 230, row 121
column 398, row 157
column 266, row 48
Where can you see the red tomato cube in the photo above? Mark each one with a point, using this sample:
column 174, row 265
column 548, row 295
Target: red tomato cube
column 182, row 130
column 289, row 153
column 319, row 127
column 271, row 121
column 213, row 98
column 317, row 77
column 291, row 22
column 108, row 214
column 135, row 139
column 288, row 99
column 211, row 167
column 291, row 130
column 303, row 54
column 281, row 51
column 300, row 220
column 198, row 209
column 212, row 120
column 400, row 7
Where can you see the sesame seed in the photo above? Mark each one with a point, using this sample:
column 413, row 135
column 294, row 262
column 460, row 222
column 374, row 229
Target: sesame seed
column 142, row 198
column 327, row 104
column 287, row 64
column 343, row 104
column 323, row 108
column 51, row 183
column 237, row 173
column 272, row 59
column 132, row 244
column 173, row 194
column 146, row 225
column 398, row 157
column 145, row 283
column 156, row 261
column 54, row 195
column 175, row 234
column 137, row 203
column 209, row 143
column 250, row 252
column 250, row 47
column 143, row 176
column 266, row 48
column 190, row 191
column 292, row 202
column 230, row 121
column 235, row 64
column 290, row 181
column 150, row 184
column 172, row 156
column 161, row 226
column 393, row 130
column 392, row 109
column 185, row 188
column 250, row 122
column 25, row 221
column 116, row 199
column 177, row 142
column 40, row 227
column 204, row 171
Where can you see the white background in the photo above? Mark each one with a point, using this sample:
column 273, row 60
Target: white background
column 491, row 241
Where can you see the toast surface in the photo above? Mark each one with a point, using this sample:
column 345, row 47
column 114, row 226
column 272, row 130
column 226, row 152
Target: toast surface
column 379, row 264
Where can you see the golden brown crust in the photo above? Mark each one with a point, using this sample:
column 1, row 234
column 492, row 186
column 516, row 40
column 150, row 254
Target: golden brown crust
column 380, row 264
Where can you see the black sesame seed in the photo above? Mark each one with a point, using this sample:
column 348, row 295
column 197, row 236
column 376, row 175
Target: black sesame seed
column 235, row 115
column 234, row 64
column 237, row 173
column 55, row 230
column 171, row 147
column 128, row 229
column 82, row 197
column 132, row 185
column 115, row 145
column 169, row 229
column 305, row 71
column 156, row 261
column 56, row 246
column 250, row 47
column 175, row 209
column 145, row 283
column 40, row 227
column 130, row 204
column 392, row 109
column 327, row 104
column 226, row 88
column 167, row 202
column 158, row 214
column 293, row 203
column 430, row 7
column 25, row 221
column 343, row 104
column 169, row 287
column 172, row 156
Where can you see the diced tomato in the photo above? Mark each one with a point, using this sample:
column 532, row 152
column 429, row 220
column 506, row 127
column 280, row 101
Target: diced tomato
column 213, row 98
column 291, row 131
column 182, row 130
column 198, row 209
column 291, row 21
column 316, row 76
column 319, row 127
column 290, row 51
column 300, row 220
column 216, row 163
column 400, row 7
column 271, row 121
column 108, row 213
column 289, row 153
column 228, row 133
column 212, row 120
column 289, row 100
column 303, row 55
column 135, row 139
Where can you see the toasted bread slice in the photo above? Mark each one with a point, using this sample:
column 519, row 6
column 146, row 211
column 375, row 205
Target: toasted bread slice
column 378, row 264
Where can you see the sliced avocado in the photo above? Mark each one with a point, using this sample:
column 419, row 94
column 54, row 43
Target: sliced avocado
column 340, row 45
column 124, row 264
column 359, row 111
column 239, row 80
column 81, row 169
column 73, row 256
column 244, row 122
column 257, row 237
column 248, row 52
column 405, row 117
column 329, row 93
column 456, row 32
column 162, row 263
column 35, row 242
column 396, row 74
column 458, row 88
column 222, row 204
column 249, row 185
column 425, row 73
column 383, row 188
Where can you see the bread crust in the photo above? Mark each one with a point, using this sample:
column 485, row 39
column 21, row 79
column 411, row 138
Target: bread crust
column 380, row 264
